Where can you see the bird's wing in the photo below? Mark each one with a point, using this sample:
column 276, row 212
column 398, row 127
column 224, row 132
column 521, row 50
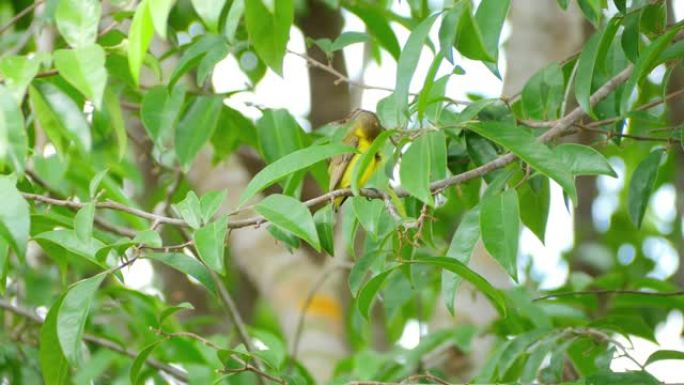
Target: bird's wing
column 339, row 164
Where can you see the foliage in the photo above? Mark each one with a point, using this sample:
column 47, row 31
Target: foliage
column 76, row 207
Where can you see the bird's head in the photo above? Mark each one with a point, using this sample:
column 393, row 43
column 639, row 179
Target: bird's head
column 367, row 122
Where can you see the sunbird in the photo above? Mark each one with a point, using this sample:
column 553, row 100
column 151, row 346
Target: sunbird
column 362, row 128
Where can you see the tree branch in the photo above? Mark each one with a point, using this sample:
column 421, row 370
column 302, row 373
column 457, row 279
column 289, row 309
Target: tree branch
column 19, row 16
column 560, row 128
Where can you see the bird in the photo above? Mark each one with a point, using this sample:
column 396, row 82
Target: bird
column 362, row 128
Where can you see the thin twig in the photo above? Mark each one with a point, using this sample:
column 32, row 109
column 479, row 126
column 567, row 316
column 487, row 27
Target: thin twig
column 174, row 372
column 354, row 83
column 611, row 134
column 609, row 291
column 19, row 16
column 307, row 303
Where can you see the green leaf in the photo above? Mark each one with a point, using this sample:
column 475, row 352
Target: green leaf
column 171, row 310
column 324, row 220
column 17, row 72
column 543, row 94
column 186, row 265
column 279, row 134
column 641, row 186
column 95, row 182
column 159, row 11
column 147, row 237
column 590, row 60
column 68, row 240
column 348, row 38
column 645, row 63
column 4, row 264
column 423, row 162
column 59, row 116
column 460, row 249
column 377, row 25
column 500, row 226
column 535, row 199
column 134, row 374
column 54, row 366
column 368, row 213
column 631, row 36
column 237, row 9
column 83, row 222
column 194, row 55
column 455, row 266
column 408, row 60
column 563, row 3
column 534, row 362
column 190, row 209
column 84, row 68
column 584, row 160
column 77, row 21
column 269, row 31
column 160, row 110
column 490, row 17
column 366, row 158
column 209, row 11
column 275, row 353
column 196, row 127
column 15, row 221
column 210, row 242
column 290, row 214
column 469, row 38
column 662, row 355
column 232, row 130
column 289, row 164
column 364, row 299
column 112, row 107
column 517, row 348
column 139, row 38
column 524, row 145
column 13, row 140
column 628, row 378
column 210, row 203
column 72, row 316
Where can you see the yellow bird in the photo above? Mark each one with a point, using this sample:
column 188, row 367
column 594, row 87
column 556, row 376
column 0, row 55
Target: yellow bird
column 363, row 128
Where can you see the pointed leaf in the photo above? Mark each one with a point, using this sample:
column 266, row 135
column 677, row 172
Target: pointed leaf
column 289, row 164
column 139, row 38
column 186, row 265
column 84, row 68
column 13, row 138
column 72, row 316
column 461, row 248
column 500, row 226
column 15, row 221
column 495, row 296
column 269, row 31
column 77, row 21
column 408, row 60
column 584, row 160
column 641, row 186
column 59, row 116
column 291, row 215
column 54, row 366
column 196, row 127
column 210, row 242
column 524, row 145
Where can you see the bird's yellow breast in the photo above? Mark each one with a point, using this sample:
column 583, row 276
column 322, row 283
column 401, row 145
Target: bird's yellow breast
column 363, row 146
